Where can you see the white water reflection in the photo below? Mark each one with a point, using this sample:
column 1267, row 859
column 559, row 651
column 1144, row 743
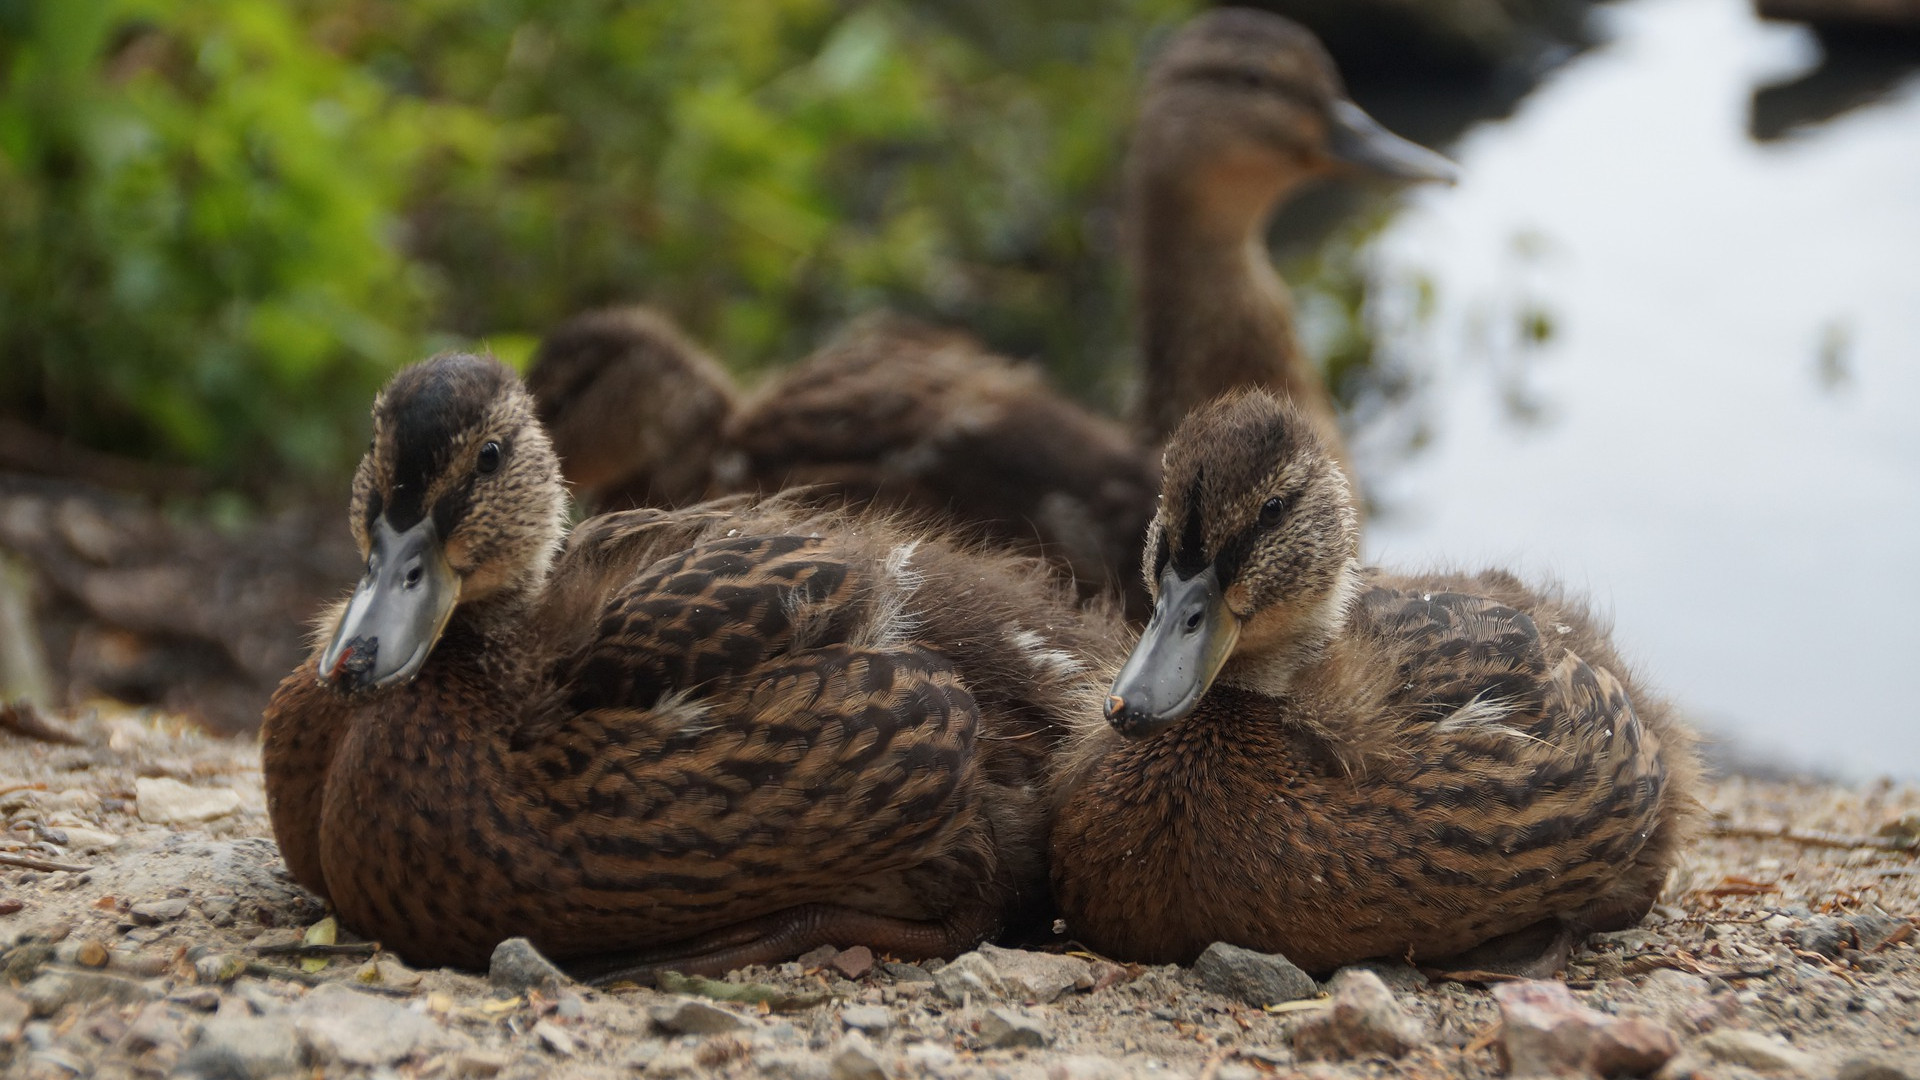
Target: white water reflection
column 1727, row 453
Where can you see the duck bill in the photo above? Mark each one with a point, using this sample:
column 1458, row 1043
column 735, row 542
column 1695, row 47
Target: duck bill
column 1187, row 641
column 397, row 613
column 1357, row 141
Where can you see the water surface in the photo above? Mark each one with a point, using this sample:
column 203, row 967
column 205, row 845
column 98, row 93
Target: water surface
column 1679, row 369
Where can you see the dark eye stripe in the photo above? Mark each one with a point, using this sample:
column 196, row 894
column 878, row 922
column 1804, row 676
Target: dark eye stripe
column 1233, row 555
column 1191, row 556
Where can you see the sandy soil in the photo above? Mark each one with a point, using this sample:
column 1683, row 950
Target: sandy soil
column 141, row 886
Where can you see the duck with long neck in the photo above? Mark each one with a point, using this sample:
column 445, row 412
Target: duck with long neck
column 1332, row 762
column 708, row 738
column 1241, row 109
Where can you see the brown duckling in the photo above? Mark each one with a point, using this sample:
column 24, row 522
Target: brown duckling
column 1307, row 757
column 712, row 737
column 637, row 411
column 1241, row 110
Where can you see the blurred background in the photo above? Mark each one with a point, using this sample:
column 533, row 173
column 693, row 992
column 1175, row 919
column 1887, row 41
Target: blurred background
column 1662, row 341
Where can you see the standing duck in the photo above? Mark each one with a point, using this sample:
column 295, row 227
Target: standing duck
column 705, row 738
column 1241, row 110
column 1334, row 763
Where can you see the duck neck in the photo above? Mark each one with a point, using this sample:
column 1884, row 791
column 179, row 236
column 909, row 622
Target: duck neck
column 1213, row 314
column 1276, row 647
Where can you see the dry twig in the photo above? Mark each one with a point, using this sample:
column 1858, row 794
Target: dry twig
column 28, row 862
column 1815, row 837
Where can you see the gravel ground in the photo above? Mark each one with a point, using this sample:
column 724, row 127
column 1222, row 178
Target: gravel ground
column 147, row 922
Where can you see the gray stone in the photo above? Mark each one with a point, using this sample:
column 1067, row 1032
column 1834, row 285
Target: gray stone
column 872, row 1019
column 1365, row 1020
column 53, row 989
column 1823, row 934
column 929, row 1057
column 692, row 1016
column 255, row 1047
column 1873, row 928
column 1037, row 976
column 345, row 1025
column 517, row 967
column 1255, row 978
column 1005, row 1028
column 1399, row 975
column 906, row 973
column 1761, row 1053
column 555, row 1038
column 789, row 1065
column 856, row 1060
column 1871, row 1067
column 158, row 911
column 970, row 975
column 164, row 801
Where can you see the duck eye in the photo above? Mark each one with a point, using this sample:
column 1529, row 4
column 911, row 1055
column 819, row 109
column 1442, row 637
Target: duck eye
column 489, row 458
column 1271, row 511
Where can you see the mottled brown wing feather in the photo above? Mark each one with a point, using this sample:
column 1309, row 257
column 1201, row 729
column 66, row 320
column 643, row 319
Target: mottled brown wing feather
column 823, row 768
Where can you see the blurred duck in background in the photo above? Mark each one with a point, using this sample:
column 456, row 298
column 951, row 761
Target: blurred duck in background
column 1241, row 109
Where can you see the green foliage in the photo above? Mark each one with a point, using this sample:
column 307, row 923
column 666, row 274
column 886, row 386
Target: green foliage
column 198, row 211
column 225, row 221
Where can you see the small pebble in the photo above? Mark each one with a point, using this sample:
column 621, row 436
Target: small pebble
column 856, row 1060
column 1005, row 1028
column 818, row 957
column 907, row 973
column 853, row 963
column 970, row 975
column 1253, row 978
column 158, row 911
column 1365, row 1020
column 692, row 1016
column 164, row 801
column 517, row 967
column 555, row 1039
column 1750, row 1049
column 872, row 1019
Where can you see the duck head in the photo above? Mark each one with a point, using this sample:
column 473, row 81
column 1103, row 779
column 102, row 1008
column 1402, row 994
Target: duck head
column 1243, row 105
column 458, row 501
column 1252, row 559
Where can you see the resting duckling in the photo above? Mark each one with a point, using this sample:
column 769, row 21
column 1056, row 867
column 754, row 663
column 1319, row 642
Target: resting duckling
column 709, row 738
column 1242, row 109
column 1334, row 763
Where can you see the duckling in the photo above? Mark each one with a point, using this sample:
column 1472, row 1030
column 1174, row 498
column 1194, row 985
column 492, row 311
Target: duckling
column 1242, row 109
column 636, row 409
column 1331, row 762
column 703, row 738
column 891, row 414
